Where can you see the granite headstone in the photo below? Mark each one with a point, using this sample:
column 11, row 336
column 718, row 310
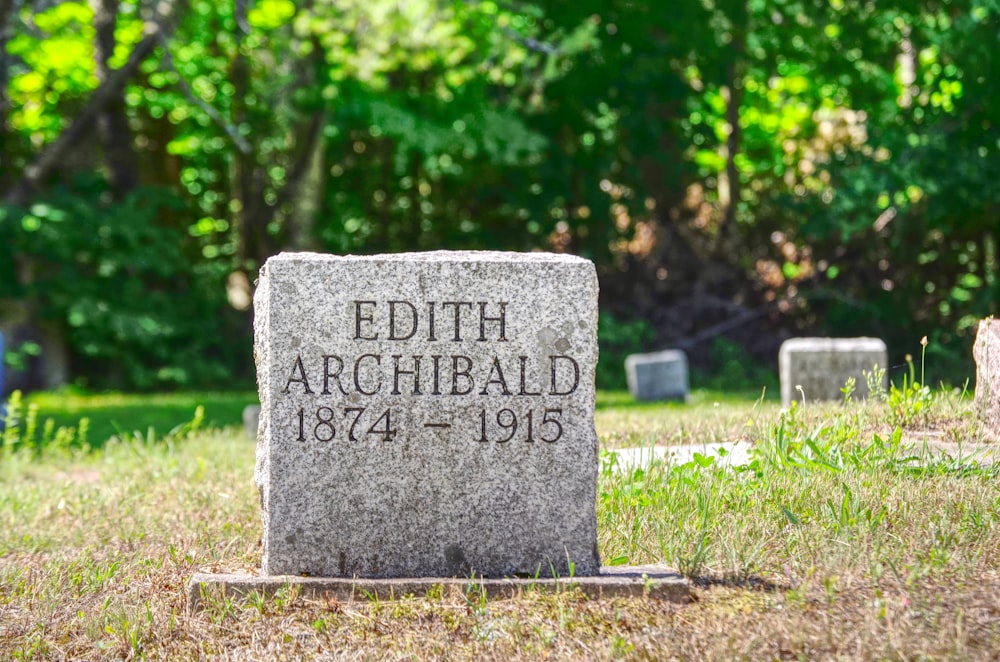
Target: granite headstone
column 986, row 352
column 427, row 414
column 251, row 420
column 818, row 368
column 657, row 375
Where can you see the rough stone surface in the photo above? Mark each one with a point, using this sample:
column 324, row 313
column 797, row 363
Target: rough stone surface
column 618, row 581
column 251, row 420
column 986, row 352
column 427, row 414
column 822, row 366
column 658, row 375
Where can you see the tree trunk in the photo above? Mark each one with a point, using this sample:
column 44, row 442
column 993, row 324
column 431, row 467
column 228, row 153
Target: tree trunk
column 112, row 122
column 727, row 239
column 249, row 180
column 303, row 190
column 8, row 17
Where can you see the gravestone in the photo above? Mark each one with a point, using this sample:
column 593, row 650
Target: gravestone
column 251, row 420
column 658, row 375
column 820, row 367
column 427, row 414
column 986, row 352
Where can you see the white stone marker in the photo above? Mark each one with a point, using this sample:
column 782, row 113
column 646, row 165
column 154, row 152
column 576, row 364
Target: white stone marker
column 427, row 414
column 658, row 375
column 822, row 366
column 986, row 352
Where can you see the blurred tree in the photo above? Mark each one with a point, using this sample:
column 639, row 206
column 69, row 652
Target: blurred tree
column 752, row 168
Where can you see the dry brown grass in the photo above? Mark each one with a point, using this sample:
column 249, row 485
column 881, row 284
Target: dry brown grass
column 96, row 551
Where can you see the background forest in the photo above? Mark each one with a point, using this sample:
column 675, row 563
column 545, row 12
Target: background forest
column 740, row 171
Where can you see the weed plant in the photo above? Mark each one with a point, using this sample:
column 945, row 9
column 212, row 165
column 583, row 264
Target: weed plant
column 831, row 485
column 20, row 433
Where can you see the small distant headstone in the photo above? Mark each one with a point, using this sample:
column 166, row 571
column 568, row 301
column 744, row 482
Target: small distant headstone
column 1, row 367
column 658, row 375
column 986, row 352
column 427, row 414
column 251, row 419
column 818, row 368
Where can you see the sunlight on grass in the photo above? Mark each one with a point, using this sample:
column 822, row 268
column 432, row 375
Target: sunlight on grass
column 111, row 414
column 840, row 535
column 707, row 417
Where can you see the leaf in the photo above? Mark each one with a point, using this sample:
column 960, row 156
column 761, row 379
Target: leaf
column 790, row 516
column 271, row 14
column 704, row 460
column 709, row 159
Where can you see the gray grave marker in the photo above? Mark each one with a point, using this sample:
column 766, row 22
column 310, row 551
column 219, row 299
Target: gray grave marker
column 251, row 420
column 986, row 352
column 820, row 367
column 427, row 414
column 658, row 375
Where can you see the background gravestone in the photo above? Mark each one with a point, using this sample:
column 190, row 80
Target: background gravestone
column 427, row 414
column 657, row 375
column 251, row 420
column 822, row 366
column 986, row 352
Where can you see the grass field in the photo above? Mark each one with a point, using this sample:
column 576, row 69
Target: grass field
column 124, row 415
column 841, row 539
column 121, row 415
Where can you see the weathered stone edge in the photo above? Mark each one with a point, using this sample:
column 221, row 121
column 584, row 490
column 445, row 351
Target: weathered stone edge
column 613, row 581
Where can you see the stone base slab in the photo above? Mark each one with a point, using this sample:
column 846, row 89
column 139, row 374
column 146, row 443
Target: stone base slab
column 614, row 581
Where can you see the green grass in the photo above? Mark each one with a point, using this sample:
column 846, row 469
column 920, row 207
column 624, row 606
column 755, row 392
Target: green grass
column 119, row 414
column 697, row 398
column 706, row 417
column 112, row 414
column 843, row 538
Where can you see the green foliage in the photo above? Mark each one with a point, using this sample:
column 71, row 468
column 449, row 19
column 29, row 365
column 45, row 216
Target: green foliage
column 17, row 357
column 732, row 368
column 21, row 433
column 908, row 402
column 139, row 415
column 809, row 477
column 137, row 308
column 617, row 339
column 58, row 63
column 911, row 401
column 842, row 158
